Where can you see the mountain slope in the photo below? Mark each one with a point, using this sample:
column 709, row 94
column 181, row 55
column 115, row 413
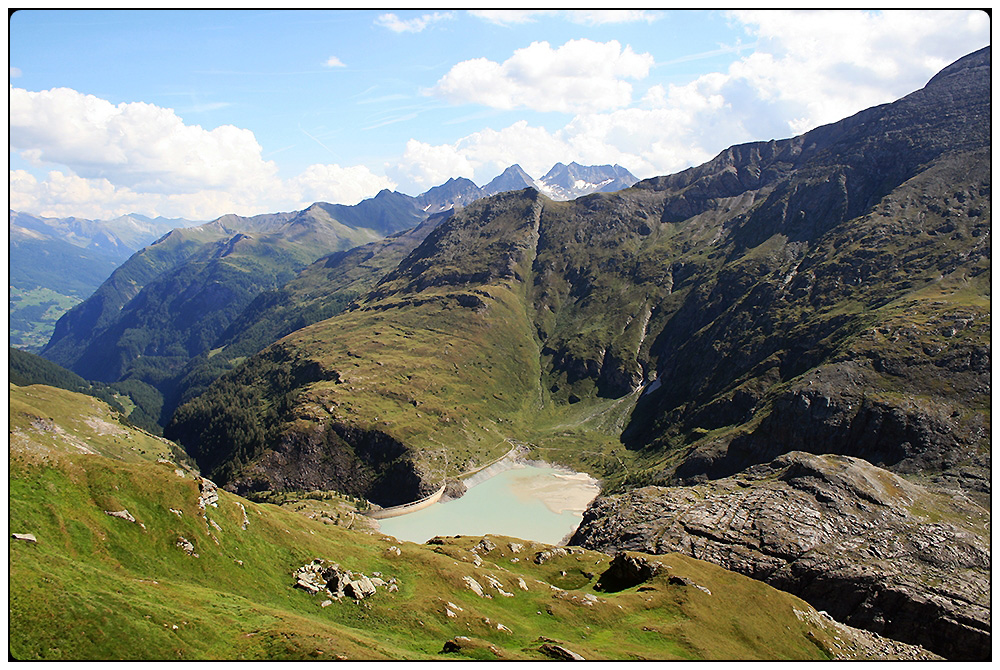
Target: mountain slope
column 398, row 337
column 132, row 555
column 827, row 293
column 138, row 403
column 321, row 290
column 57, row 263
column 174, row 299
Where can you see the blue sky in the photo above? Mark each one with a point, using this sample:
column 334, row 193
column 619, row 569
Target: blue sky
column 201, row 113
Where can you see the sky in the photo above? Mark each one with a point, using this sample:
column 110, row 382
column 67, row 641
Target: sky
column 197, row 114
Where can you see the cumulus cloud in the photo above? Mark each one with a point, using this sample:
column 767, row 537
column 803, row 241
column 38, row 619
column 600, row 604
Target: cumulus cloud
column 426, row 165
column 138, row 145
column 140, row 157
column 804, row 58
column 580, row 76
column 333, row 61
column 414, row 25
column 348, row 185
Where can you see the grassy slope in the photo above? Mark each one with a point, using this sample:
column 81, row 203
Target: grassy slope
column 321, row 290
column 99, row 587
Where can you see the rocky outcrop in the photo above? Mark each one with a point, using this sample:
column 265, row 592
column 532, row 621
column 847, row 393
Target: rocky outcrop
column 124, row 514
column 626, row 571
column 368, row 464
column 874, row 550
column 186, row 546
column 320, row 576
column 548, row 554
column 208, row 494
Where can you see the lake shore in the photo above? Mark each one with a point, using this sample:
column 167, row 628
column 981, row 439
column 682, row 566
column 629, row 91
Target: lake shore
column 521, row 499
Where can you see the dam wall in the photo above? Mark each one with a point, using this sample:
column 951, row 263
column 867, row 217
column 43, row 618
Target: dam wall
column 400, row 510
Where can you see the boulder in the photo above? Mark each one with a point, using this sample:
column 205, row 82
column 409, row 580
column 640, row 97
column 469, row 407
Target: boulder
column 474, row 586
column 186, row 546
column 626, row 571
column 360, row 588
column 559, row 652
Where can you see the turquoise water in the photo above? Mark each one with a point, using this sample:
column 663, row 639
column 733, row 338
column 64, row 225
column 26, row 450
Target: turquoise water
column 531, row 503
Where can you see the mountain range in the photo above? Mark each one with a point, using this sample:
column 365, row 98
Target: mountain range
column 172, row 303
column 57, row 263
column 777, row 361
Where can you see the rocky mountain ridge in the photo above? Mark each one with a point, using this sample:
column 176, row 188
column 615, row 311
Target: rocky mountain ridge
column 566, row 182
column 562, row 182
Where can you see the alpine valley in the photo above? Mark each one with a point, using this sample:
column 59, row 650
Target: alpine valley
column 776, row 363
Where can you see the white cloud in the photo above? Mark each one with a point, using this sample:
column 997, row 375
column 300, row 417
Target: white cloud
column 333, row 183
column 829, row 65
column 139, row 157
column 414, row 25
column 15, row 72
column 532, row 147
column 333, row 61
column 581, row 75
column 425, row 165
column 142, row 146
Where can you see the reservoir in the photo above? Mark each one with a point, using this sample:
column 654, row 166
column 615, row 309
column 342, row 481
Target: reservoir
column 528, row 502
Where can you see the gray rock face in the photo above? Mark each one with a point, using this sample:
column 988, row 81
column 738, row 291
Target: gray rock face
column 874, row 550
